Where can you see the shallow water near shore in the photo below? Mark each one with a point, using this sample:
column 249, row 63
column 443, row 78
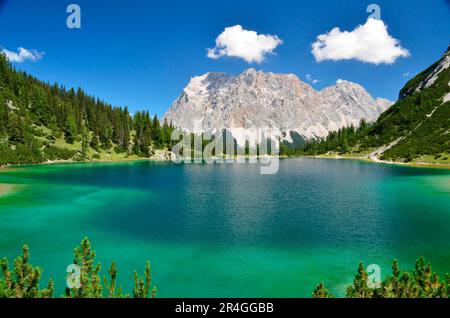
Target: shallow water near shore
column 226, row 230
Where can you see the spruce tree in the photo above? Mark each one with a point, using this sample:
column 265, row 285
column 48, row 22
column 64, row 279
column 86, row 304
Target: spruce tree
column 71, row 130
column 322, row 292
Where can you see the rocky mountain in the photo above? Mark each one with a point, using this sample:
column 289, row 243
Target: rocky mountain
column 427, row 78
column 418, row 124
column 281, row 102
column 415, row 129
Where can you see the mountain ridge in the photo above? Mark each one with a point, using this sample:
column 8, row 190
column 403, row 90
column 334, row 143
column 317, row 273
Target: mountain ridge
column 282, row 102
column 415, row 129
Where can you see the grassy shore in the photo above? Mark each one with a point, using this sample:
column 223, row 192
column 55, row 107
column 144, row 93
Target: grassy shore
column 422, row 162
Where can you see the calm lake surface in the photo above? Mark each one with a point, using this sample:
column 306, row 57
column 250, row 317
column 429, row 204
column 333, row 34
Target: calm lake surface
column 225, row 230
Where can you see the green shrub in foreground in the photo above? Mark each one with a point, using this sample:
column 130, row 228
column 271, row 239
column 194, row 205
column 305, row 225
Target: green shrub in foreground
column 22, row 281
column 422, row 282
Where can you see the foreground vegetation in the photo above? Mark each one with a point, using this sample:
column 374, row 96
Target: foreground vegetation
column 41, row 122
column 22, row 281
column 422, row 282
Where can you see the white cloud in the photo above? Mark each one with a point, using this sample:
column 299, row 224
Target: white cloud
column 248, row 45
column 310, row 78
column 369, row 43
column 407, row 74
column 22, row 55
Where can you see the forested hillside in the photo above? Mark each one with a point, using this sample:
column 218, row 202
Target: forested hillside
column 41, row 121
column 417, row 127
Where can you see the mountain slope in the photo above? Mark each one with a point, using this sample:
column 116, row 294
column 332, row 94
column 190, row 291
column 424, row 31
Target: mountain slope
column 415, row 128
column 41, row 122
column 267, row 100
column 420, row 120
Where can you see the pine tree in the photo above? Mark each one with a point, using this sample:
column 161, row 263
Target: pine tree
column 23, row 280
column 84, row 142
column 156, row 132
column 142, row 287
column 90, row 284
column 360, row 287
column 322, row 292
column 71, row 129
column 113, row 292
column 95, row 142
column 16, row 129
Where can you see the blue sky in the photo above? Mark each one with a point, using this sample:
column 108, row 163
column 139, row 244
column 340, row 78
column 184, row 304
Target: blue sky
column 142, row 53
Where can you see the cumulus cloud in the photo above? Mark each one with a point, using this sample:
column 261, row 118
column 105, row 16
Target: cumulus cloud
column 22, row 55
column 248, row 45
column 369, row 43
column 407, row 74
column 310, row 78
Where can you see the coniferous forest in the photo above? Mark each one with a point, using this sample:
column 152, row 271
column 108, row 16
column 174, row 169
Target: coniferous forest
column 41, row 122
column 417, row 125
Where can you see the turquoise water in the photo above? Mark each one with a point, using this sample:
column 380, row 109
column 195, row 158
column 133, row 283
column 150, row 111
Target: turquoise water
column 225, row 230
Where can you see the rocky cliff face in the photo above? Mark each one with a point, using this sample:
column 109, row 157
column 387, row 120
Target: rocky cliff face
column 427, row 78
column 281, row 102
column 418, row 124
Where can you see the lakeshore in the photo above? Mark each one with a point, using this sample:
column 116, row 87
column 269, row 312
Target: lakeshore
column 416, row 164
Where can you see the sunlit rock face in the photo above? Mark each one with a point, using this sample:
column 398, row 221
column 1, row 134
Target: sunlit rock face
column 281, row 102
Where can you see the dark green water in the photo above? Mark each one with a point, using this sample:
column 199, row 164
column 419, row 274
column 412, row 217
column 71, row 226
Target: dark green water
column 226, row 230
